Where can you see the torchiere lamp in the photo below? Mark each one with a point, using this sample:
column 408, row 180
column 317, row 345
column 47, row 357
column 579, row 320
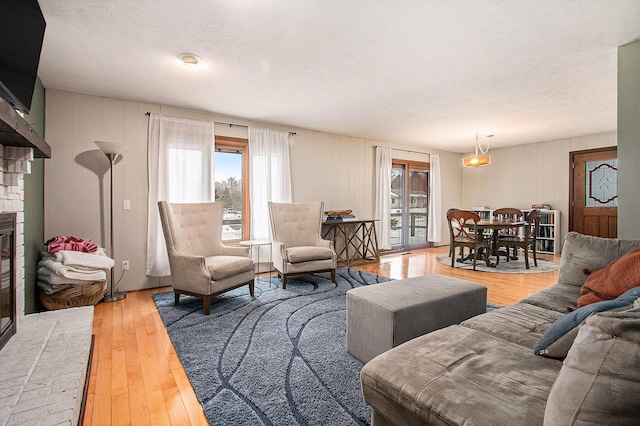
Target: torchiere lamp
column 113, row 151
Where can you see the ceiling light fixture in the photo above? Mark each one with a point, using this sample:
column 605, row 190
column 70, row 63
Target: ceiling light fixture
column 478, row 160
column 190, row 60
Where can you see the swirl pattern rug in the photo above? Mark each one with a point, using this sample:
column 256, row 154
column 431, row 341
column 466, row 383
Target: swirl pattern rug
column 277, row 359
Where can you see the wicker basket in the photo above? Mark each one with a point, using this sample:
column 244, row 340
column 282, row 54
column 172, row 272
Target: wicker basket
column 74, row 296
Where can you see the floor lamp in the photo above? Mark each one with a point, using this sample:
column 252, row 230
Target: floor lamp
column 113, row 151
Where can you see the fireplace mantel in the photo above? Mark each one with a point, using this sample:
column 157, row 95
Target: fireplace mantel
column 15, row 131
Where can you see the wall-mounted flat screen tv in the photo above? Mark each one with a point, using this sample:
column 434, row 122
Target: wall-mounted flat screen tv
column 21, row 33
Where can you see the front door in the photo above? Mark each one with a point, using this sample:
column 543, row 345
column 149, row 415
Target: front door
column 594, row 192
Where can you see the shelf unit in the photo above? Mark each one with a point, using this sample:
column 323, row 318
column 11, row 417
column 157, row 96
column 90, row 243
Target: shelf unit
column 548, row 240
column 548, row 235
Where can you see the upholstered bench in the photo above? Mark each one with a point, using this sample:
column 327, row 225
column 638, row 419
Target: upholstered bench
column 382, row 316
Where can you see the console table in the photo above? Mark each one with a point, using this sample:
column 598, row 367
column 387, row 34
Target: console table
column 353, row 239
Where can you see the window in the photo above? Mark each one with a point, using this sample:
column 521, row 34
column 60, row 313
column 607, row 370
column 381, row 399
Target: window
column 232, row 186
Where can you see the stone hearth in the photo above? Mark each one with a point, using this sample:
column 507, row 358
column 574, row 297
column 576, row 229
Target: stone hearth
column 43, row 368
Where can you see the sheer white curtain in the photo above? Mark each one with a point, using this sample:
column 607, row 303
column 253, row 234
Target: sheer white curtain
column 181, row 170
column 270, row 179
column 383, row 196
column 434, row 219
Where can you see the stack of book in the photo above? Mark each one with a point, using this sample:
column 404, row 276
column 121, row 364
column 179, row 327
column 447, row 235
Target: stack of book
column 339, row 215
column 541, row 206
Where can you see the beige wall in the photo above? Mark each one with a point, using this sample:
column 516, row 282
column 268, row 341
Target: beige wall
column 535, row 173
column 333, row 168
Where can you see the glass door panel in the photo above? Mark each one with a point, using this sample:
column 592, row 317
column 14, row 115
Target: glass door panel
column 409, row 202
column 601, row 186
column 397, row 206
column 418, row 201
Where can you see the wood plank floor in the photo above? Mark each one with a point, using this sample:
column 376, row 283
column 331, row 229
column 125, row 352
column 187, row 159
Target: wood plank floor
column 137, row 379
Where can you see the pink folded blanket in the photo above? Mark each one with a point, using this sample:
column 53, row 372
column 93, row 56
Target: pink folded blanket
column 71, row 243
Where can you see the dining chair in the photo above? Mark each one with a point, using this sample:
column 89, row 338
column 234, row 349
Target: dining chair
column 463, row 227
column 526, row 241
column 508, row 213
column 451, row 233
column 201, row 265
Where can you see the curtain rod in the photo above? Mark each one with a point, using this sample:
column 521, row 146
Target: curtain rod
column 404, row 150
column 230, row 124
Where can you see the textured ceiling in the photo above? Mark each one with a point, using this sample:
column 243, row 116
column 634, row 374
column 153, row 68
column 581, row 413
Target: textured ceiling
column 426, row 73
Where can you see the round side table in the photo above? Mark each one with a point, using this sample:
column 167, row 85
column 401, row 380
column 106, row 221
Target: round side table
column 257, row 243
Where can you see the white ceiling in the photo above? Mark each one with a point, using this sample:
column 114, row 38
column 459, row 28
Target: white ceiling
column 426, row 73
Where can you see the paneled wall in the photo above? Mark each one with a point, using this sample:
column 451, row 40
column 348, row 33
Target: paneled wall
column 332, row 168
column 629, row 138
column 534, row 173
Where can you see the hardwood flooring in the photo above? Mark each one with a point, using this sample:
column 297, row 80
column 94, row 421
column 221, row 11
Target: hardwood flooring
column 137, row 379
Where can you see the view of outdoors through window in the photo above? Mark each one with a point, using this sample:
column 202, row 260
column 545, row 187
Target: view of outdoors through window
column 228, row 172
column 409, row 200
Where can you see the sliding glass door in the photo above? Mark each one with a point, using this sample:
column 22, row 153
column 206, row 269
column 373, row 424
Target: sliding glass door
column 409, row 202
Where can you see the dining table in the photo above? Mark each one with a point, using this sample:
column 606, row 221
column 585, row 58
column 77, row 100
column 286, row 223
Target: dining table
column 494, row 225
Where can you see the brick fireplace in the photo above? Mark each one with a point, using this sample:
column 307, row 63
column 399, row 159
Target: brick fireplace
column 7, row 277
column 14, row 163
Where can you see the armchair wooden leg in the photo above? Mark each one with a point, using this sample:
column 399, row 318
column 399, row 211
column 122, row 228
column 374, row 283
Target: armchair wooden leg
column 252, row 288
column 333, row 275
column 176, row 296
column 284, row 281
column 206, row 304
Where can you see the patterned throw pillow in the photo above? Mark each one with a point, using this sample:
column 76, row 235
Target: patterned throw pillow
column 610, row 282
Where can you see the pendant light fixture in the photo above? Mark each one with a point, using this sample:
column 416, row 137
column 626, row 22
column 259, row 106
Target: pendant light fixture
column 478, row 160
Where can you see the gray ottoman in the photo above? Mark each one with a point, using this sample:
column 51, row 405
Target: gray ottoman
column 382, row 316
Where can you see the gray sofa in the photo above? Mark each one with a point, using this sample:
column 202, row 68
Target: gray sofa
column 484, row 370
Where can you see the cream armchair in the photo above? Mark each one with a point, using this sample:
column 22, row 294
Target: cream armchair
column 298, row 248
column 201, row 265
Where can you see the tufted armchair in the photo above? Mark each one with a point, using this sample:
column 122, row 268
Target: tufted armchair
column 298, row 248
column 201, row 265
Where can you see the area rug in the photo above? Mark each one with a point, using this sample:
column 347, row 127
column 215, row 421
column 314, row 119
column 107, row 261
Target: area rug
column 277, row 359
column 504, row 267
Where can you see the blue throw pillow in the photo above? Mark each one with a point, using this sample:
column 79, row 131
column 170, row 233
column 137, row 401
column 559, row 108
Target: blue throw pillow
column 558, row 338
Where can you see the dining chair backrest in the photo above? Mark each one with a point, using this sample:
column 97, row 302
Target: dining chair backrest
column 508, row 213
column 461, row 222
column 533, row 220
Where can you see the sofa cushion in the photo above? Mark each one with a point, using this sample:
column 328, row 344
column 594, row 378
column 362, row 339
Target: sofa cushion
column 458, row 375
column 521, row 323
column 599, row 382
column 308, row 253
column 558, row 297
column 581, row 252
column 608, row 283
column 221, row 267
column 559, row 337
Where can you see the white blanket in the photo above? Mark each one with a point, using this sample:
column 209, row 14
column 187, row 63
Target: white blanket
column 88, row 260
column 46, row 275
column 75, row 272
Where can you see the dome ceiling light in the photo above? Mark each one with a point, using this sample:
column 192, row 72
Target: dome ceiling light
column 190, row 60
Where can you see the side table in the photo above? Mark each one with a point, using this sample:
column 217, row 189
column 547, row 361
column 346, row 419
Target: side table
column 257, row 243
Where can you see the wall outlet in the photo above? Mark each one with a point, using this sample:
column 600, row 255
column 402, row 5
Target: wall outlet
column 126, row 204
column 125, row 265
